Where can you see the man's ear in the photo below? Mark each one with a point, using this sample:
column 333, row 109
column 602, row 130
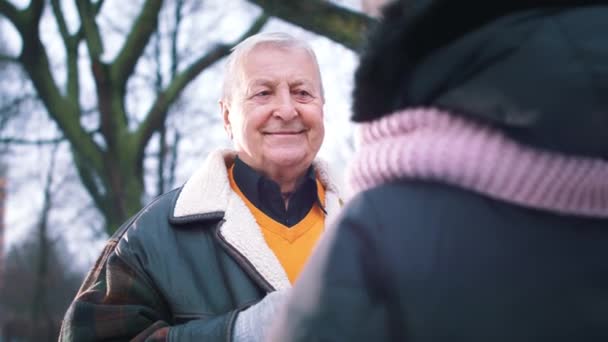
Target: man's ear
column 225, row 109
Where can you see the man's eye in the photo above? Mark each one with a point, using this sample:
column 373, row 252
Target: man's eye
column 263, row 93
column 302, row 93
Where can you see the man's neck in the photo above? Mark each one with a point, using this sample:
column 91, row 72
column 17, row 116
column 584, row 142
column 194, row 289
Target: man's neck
column 288, row 178
column 266, row 193
column 288, row 183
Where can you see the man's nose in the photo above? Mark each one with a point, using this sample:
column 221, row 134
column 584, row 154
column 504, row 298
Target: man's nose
column 285, row 107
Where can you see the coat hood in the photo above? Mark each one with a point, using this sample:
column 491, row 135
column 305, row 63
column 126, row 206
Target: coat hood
column 537, row 70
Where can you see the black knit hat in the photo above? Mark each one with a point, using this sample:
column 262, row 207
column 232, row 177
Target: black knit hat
column 536, row 69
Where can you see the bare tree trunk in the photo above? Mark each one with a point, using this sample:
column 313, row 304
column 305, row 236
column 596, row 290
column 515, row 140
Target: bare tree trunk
column 40, row 316
column 2, row 202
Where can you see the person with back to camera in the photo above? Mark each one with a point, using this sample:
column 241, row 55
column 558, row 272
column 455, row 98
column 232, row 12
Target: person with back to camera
column 212, row 260
column 481, row 205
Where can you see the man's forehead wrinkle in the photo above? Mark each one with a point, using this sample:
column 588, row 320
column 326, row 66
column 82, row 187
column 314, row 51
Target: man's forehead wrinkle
column 271, row 82
column 262, row 81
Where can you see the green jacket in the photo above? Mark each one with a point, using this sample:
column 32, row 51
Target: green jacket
column 183, row 267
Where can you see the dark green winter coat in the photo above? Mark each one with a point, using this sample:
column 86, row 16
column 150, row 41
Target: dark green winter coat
column 183, row 267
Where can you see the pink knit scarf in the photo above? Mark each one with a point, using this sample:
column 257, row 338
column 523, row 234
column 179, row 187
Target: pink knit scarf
column 429, row 144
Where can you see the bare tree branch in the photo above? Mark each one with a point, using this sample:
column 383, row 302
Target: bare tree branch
column 8, row 59
column 14, row 103
column 64, row 113
column 72, row 86
column 37, row 142
column 322, row 17
column 71, row 46
column 111, row 121
column 88, row 177
column 35, row 61
column 133, row 47
column 173, row 161
column 97, row 6
column 158, row 113
column 79, row 35
column 174, row 56
column 59, row 18
column 162, row 130
column 87, row 14
column 174, row 37
column 10, row 12
column 111, row 79
column 35, row 9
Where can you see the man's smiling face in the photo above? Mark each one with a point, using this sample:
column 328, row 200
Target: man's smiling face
column 275, row 116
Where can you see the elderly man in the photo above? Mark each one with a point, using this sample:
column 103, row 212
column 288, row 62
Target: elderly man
column 212, row 260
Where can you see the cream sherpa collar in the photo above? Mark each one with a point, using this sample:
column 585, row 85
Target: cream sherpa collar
column 208, row 194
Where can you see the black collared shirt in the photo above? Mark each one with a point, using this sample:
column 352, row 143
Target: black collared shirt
column 265, row 194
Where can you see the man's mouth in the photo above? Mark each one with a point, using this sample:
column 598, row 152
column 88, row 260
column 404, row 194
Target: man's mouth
column 284, row 132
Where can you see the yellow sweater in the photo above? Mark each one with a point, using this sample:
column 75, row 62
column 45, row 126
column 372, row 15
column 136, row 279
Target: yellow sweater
column 292, row 246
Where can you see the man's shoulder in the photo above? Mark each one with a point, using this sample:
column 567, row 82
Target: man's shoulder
column 152, row 229
column 154, row 214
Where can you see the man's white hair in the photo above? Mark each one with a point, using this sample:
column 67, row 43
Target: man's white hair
column 240, row 52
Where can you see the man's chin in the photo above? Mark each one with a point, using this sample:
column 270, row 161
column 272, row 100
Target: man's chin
column 289, row 159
